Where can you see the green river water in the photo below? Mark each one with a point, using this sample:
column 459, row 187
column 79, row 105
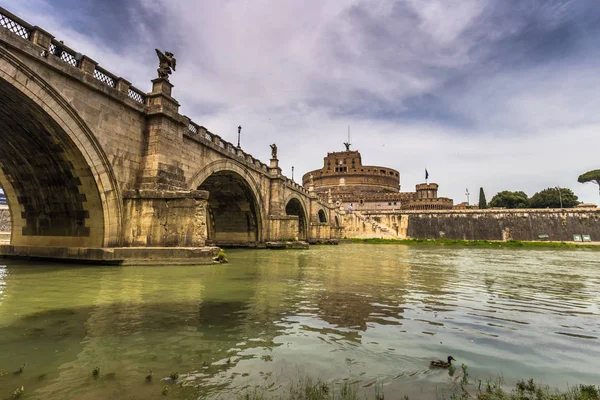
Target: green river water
column 372, row 315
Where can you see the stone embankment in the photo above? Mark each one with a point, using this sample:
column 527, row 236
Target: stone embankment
column 523, row 224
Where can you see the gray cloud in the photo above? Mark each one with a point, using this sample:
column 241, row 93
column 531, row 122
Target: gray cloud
column 496, row 93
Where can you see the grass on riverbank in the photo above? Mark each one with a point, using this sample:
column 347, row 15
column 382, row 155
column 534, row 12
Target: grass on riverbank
column 307, row 389
column 476, row 243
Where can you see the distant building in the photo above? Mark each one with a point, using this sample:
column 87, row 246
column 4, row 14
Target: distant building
column 352, row 186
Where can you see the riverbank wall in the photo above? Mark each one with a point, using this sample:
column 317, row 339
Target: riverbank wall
column 522, row 224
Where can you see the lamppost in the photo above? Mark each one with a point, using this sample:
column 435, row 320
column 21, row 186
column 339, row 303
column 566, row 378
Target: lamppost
column 239, row 131
column 292, row 173
column 559, row 196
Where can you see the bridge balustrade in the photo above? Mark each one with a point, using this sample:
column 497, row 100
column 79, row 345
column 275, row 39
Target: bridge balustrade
column 15, row 25
column 64, row 53
column 105, row 77
column 136, row 95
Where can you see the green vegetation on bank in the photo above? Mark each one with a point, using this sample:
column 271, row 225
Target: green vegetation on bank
column 482, row 200
column 476, row 243
column 461, row 388
column 590, row 176
column 553, row 197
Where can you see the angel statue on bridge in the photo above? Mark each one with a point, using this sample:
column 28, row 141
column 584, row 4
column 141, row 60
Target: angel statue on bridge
column 166, row 62
column 273, row 151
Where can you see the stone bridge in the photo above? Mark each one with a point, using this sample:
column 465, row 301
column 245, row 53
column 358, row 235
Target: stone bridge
column 91, row 164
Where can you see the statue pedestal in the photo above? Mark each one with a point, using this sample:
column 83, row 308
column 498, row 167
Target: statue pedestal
column 162, row 85
column 160, row 100
column 274, row 167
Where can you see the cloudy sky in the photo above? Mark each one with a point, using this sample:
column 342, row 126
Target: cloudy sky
column 502, row 94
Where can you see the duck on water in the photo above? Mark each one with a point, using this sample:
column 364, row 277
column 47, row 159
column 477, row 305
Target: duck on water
column 442, row 364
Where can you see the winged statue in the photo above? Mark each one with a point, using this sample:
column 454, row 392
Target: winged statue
column 273, row 151
column 166, row 63
column 347, row 144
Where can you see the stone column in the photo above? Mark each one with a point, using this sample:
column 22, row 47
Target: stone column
column 165, row 139
column 276, row 206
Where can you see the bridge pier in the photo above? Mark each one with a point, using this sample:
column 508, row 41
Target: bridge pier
column 156, row 218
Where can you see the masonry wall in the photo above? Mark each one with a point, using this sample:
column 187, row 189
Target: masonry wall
column 4, row 219
column 559, row 225
column 521, row 225
column 283, row 228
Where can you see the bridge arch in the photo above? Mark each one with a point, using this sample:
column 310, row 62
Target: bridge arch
column 59, row 185
column 235, row 205
column 295, row 206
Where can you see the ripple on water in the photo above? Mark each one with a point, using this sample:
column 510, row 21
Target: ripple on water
column 337, row 313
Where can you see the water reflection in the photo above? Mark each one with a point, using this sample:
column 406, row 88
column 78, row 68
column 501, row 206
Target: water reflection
column 360, row 312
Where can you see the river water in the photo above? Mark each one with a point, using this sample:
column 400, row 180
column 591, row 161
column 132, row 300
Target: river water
column 371, row 315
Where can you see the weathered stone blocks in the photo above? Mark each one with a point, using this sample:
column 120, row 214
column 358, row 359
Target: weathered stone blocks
column 156, row 218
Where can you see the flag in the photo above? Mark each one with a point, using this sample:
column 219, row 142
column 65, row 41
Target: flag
column 426, row 174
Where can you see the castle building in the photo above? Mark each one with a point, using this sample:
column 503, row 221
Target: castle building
column 345, row 181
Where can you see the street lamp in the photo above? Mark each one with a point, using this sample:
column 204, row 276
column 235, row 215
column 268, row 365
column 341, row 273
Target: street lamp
column 559, row 196
column 292, row 173
column 239, row 131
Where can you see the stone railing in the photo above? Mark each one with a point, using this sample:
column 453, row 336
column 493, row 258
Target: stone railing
column 215, row 141
column 54, row 48
column 14, row 24
column 296, row 186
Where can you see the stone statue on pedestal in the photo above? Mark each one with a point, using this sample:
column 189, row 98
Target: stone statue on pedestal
column 273, row 151
column 166, row 62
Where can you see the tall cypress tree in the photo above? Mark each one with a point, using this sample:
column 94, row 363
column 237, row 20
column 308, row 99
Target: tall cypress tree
column 482, row 201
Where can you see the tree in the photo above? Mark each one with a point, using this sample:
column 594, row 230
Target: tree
column 590, row 176
column 482, row 201
column 508, row 199
column 550, row 198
